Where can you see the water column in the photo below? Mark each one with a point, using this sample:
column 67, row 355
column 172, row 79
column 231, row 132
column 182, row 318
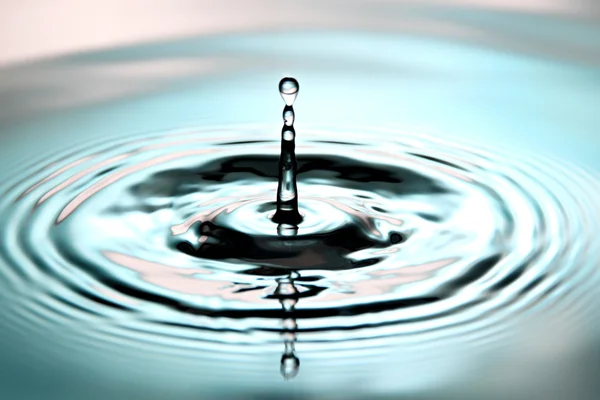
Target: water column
column 287, row 215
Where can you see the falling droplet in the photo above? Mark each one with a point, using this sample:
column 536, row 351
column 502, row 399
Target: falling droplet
column 288, row 87
column 288, row 116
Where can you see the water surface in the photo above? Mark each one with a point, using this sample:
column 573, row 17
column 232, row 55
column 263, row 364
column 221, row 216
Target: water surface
column 449, row 197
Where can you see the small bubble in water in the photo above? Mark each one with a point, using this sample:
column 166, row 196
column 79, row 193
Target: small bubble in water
column 288, row 87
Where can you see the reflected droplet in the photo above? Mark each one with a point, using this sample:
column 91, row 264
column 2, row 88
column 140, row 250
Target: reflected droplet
column 288, row 87
column 286, row 288
column 290, row 366
column 289, row 324
column 288, row 305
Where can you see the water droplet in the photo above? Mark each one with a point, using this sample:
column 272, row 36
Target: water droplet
column 288, row 116
column 288, row 87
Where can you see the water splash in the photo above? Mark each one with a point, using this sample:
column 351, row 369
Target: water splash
column 419, row 257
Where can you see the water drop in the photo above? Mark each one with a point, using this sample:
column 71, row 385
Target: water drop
column 288, row 87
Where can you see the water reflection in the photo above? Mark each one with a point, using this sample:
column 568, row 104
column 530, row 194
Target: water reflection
column 288, row 295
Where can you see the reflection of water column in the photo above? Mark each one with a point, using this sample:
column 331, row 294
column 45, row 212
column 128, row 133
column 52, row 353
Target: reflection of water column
column 287, row 293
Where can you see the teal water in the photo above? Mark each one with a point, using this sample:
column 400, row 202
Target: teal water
column 481, row 156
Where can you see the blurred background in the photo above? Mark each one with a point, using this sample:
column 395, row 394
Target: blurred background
column 149, row 52
column 49, row 28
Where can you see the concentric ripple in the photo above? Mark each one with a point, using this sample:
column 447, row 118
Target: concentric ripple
column 169, row 235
